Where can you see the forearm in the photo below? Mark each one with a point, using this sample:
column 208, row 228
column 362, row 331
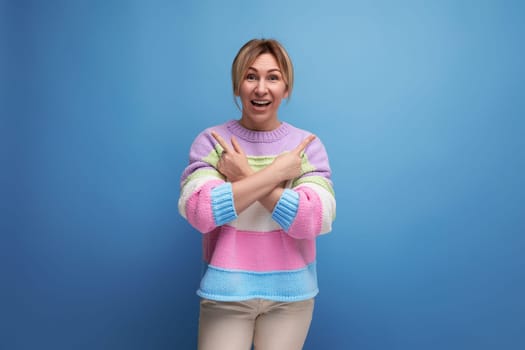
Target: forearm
column 262, row 186
column 270, row 200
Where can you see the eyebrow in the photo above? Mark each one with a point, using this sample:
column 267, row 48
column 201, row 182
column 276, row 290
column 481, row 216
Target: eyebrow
column 269, row 71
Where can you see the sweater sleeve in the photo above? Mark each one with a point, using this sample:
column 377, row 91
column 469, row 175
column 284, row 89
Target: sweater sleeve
column 206, row 200
column 308, row 208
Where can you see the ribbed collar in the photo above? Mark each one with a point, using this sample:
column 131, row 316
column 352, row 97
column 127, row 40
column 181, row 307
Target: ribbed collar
column 258, row 136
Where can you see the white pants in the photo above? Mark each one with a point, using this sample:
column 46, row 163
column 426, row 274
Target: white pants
column 269, row 325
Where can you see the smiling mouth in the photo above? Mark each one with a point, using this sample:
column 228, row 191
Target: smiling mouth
column 260, row 103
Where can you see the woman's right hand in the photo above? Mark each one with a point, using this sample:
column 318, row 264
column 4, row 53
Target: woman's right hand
column 233, row 163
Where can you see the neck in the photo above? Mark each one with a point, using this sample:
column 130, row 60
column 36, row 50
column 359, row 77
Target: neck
column 265, row 126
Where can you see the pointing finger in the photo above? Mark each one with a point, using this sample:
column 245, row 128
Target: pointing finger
column 236, row 146
column 221, row 141
column 302, row 146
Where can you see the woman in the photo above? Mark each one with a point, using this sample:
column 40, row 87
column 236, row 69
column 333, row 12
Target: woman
column 259, row 190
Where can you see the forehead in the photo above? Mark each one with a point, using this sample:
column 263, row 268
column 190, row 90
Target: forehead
column 265, row 61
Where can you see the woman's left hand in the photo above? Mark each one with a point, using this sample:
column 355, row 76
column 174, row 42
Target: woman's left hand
column 233, row 163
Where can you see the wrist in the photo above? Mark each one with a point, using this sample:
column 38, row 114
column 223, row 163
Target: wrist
column 244, row 175
column 277, row 175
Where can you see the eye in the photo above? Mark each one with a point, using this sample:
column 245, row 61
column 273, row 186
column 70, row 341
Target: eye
column 251, row 77
column 274, row 77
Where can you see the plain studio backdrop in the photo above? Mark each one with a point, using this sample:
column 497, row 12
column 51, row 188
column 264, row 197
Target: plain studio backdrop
column 420, row 104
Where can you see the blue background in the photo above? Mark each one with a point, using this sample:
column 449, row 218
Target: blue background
column 419, row 103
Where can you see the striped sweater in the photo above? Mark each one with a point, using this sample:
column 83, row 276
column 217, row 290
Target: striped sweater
column 258, row 254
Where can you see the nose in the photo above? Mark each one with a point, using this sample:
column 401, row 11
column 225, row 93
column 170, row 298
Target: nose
column 260, row 88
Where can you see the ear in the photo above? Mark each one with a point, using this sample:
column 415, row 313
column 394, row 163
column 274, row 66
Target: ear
column 286, row 93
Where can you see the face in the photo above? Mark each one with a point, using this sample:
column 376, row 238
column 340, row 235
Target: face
column 261, row 92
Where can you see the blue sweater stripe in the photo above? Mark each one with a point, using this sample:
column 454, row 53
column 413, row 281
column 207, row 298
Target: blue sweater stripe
column 222, row 204
column 286, row 208
column 234, row 285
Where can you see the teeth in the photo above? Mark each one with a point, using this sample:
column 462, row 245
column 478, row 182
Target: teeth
column 261, row 103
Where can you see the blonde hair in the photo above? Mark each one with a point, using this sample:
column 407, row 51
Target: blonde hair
column 249, row 53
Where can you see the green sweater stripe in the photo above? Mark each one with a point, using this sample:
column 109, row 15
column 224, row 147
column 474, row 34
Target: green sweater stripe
column 258, row 163
column 203, row 173
column 318, row 180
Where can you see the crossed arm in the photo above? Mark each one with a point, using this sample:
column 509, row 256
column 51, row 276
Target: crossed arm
column 266, row 185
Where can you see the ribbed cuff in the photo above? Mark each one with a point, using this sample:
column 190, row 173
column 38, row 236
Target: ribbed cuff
column 222, row 204
column 286, row 209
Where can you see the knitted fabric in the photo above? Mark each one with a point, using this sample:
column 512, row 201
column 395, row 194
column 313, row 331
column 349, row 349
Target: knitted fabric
column 258, row 254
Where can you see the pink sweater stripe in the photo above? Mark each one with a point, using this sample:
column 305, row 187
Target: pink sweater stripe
column 228, row 248
column 198, row 207
column 309, row 218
